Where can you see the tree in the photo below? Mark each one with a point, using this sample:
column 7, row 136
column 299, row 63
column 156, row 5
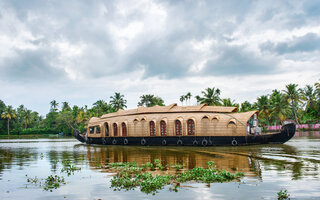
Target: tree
column 182, row 98
column 278, row 106
column 293, row 96
column 246, row 106
column 65, row 106
column 211, row 96
column 228, row 102
column 188, row 97
column 54, row 105
column 118, row 101
column 150, row 100
column 8, row 113
column 263, row 106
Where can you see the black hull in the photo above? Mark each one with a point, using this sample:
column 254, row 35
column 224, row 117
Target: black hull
column 286, row 134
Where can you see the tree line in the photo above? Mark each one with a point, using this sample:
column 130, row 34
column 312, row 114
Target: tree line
column 299, row 104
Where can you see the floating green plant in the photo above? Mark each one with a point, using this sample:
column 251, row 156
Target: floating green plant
column 53, row 182
column 132, row 176
column 69, row 168
column 283, row 195
column 50, row 183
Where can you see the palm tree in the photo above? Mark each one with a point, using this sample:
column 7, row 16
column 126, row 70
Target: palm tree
column 228, row 102
column 188, row 96
column 278, row 106
column 293, row 96
column 150, row 100
column 246, row 106
column 263, row 106
column 8, row 113
column 27, row 118
column 211, row 96
column 182, row 98
column 309, row 96
column 65, row 106
column 54, row 105
column 118, row 101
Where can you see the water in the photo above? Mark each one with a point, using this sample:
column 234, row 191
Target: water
column 268, row 169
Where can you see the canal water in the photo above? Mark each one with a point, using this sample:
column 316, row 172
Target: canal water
column 293, row 166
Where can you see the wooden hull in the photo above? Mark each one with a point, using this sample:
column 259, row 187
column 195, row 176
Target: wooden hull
column 286, row 134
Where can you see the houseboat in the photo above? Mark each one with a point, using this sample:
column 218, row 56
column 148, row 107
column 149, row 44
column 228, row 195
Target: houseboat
column 199, row 125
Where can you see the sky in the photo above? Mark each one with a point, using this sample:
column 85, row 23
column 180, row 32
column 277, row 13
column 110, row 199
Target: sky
column 83, row 51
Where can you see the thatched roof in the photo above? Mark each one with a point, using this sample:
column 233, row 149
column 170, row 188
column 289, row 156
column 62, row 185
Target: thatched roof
column 173, row 108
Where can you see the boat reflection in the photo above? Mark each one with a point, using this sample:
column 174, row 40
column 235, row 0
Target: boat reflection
column 187, row 156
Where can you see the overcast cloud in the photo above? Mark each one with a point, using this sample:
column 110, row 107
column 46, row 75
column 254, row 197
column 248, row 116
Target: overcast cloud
column 82, row 51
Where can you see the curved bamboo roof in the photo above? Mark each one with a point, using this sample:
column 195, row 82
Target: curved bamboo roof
column 173, row 108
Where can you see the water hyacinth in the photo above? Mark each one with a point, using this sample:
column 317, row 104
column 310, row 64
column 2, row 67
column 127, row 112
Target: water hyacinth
column 131, row 176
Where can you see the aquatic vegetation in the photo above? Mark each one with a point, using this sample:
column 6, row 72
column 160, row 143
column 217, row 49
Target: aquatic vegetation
column 53, row 182
column 69, row 168
column 34, row 180
column 283, row 195
column 50, row 183
column 131, row 176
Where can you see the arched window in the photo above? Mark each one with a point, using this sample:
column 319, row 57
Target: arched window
column 163, row 128
column 178, row 127
column 98, row 130
column 124, row 129
column 191, row 128
column 115, row 129
column 106, row 129
column 152, row 128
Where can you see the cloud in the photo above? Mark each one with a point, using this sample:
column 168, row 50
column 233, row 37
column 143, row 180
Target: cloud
column 307, row 43
column 236, row 60
column 88, row 50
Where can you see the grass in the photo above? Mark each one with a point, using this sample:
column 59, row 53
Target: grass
column 130, row 176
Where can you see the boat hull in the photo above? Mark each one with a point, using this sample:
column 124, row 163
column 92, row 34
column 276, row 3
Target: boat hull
column 281, row 137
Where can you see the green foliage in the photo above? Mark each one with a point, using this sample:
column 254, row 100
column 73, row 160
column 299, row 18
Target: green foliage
column 69, row 168
column 150, row 100
column 53, row 182
column 283, row 195
column 131, row 176
column 211, row 96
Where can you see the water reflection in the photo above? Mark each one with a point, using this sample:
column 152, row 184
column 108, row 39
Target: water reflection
column 294, row 164
column 252, row 160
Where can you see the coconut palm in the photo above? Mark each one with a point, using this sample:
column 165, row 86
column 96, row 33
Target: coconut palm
column 54, row 105
column 263, row 106
column 150, row 100
column 246, row 106
column 293, row 96
column 182, row 98
column 278, row 106
column 65, row 106
column 188, row 96
column 27, row 118
column 8, row 113
column 118, row 101
column 309, row 96
column 211, row 96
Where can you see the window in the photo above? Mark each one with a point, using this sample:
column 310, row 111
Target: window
column 152, row 128
column 106, row 130
column 91, row 129
column 124, row 129
column 98, row 130
column 178, row 127
column 115, row 129
column 163, row 128
column 191, row 128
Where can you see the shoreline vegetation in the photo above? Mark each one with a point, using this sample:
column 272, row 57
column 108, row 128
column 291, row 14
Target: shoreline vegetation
column 299, row 104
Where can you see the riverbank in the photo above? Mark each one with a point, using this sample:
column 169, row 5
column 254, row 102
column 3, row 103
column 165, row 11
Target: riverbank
column 33, row 136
